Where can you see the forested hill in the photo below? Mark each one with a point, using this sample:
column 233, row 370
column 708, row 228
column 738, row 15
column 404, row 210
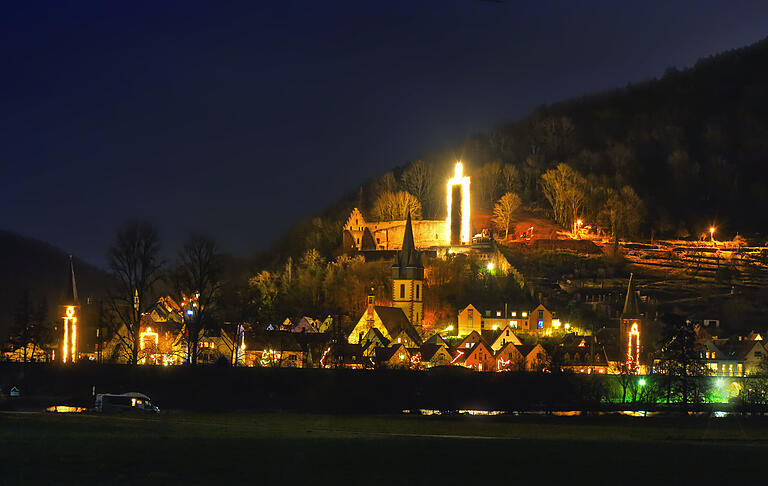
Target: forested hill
column 42, row 270
column 680, row 153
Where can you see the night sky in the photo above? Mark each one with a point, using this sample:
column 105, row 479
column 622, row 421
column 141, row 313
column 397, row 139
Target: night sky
column 237, row 118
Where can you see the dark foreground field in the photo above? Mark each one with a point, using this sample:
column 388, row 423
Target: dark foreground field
column 184, row 448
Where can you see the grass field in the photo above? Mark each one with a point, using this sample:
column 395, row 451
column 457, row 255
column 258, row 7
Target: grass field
column 186, row 448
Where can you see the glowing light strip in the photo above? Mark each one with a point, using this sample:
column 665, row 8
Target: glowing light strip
column 501, row 364
column 74, row 337
column 463, row 181
column 322, row 360
column 633, row 356
column 64, row 345
column 461, row 353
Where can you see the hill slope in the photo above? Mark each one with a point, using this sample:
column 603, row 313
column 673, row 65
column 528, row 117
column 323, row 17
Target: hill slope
column 692, row 144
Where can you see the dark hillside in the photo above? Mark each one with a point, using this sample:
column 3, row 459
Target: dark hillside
column 30, row 265
column 692, row 144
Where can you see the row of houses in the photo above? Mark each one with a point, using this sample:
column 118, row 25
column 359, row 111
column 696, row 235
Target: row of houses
column 539, row 320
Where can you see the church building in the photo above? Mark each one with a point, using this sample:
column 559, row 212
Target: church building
column 630, row 329
column 400, row 323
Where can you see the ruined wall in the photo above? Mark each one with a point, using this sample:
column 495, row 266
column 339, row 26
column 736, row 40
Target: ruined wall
column 388, row 235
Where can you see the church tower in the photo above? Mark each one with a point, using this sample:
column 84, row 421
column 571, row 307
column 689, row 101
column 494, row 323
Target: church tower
column 408, row 279
column 630, row 329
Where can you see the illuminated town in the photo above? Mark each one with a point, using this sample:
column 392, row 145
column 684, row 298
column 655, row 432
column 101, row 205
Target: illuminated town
column 368, row 242
column 526, row 336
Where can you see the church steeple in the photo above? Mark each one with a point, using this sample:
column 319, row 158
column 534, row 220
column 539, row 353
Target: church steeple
column 631, row 329
column 72, row 291
column 631, row 304
column 408, row 262
column 408, row 278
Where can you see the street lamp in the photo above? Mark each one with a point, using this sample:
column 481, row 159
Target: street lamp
column 712, row 234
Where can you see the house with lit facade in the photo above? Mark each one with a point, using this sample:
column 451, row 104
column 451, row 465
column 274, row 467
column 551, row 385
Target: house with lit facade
column 477, row 357
column 512, row 357
column 519, row 318
column 432, row 355
column 471, row 318
column 732, row 357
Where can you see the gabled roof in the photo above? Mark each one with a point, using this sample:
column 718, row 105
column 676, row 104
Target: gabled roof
column 395, row 321
column 525, row 349
column 386, row 354
column 467, row 338
column 475, row 347
column 515, row 346
column 490, row 335
column 736, row 350
column 437, row 339
column 502, row 335
column 429, row 350
column 375, row 333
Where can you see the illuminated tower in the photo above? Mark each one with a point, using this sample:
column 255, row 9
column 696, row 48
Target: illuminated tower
column 408, row 279
column 630, row 329
column 70, row 314
column 457, row 221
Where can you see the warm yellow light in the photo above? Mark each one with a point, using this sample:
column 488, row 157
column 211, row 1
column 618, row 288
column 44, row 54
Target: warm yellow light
column 633, row 352
column 458, row 179
column 495, row 327
column 66, row 341
column 449, row 328
column 74, row 337
column 579, row 222
column 490, row 266
column 148, row 334
column 711, row 229
column 556, row 323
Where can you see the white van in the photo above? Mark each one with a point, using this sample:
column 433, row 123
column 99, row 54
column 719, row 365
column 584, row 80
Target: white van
column 125, row 402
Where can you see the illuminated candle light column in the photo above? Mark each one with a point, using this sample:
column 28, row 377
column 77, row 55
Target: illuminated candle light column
column 460, row 237
column 69, row 344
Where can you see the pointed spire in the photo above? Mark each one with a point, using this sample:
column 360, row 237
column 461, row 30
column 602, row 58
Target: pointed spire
column 409, row 256
column 631, row 305
column 408, row 244
column 73, row 282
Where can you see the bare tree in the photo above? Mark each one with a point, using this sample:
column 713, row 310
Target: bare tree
column 417, row 180
column 489, row 180
column 565, row 189
column 393, row 206
column 135, row 265
column 30, row 329
column 504, row 210
column 198, row 276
